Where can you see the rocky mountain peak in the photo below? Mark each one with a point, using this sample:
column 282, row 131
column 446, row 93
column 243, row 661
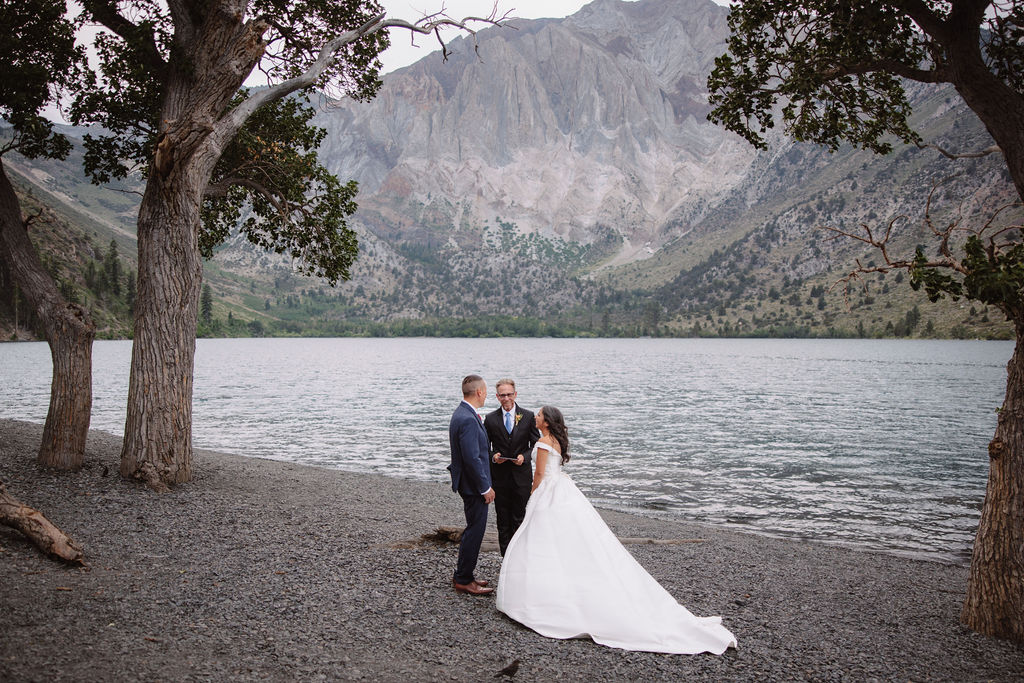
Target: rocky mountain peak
column 574, row 128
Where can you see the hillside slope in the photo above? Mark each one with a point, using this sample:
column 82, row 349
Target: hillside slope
column 566, row 181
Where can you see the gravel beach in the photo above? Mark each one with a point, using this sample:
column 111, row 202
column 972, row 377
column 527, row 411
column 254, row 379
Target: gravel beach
column 266, row 570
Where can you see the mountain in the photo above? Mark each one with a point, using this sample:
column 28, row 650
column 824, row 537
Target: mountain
column 590, row 129
column 561, row 176
column 581, row 146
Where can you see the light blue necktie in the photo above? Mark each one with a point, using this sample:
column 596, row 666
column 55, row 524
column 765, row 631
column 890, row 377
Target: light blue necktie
column 508, row 422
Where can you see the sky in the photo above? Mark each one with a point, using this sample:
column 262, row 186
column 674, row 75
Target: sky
column 405, row 50
column 402, row 53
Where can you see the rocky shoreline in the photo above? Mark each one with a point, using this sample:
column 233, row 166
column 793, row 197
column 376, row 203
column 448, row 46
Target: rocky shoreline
column 267, row 570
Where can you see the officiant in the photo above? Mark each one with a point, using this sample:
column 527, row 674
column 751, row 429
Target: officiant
column 512, row 435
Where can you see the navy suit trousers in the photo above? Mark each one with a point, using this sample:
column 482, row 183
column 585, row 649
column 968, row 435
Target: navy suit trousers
column 472, row 537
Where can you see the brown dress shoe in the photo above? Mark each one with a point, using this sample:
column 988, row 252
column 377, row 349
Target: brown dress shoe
column 481, row 582
column 473, row 588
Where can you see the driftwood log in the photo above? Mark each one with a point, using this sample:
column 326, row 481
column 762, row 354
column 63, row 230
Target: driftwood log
column 41, row 531
column 453, row 534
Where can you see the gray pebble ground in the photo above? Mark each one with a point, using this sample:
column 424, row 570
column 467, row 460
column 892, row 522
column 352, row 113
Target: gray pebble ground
column 265, row 570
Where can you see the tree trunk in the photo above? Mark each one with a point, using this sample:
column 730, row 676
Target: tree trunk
column 1003, row 116
column 995, row 591
column 158, row 431
column 999, row 107
column 69, row 332
column 221, row 52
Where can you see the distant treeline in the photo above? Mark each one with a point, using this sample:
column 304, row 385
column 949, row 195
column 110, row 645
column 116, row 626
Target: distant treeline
column 518, row 326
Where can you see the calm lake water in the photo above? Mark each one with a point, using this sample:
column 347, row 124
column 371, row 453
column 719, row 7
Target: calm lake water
column 879, row 444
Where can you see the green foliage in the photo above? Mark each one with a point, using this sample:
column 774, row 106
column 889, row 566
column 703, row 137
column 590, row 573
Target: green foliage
column 112, row 269
column 294, row 204
column 269, row 172
column 136, row 64
column 125, row 95
column 994, row 277
column 206, row 304
column 1005, row 41
column 836, row 65
column 936, row 282
column 112, row 286
column 560, row 253
column 38, row 59
column 830, row 63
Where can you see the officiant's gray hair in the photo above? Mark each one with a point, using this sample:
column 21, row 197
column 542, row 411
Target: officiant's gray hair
column 506, row 380
column 470, row 383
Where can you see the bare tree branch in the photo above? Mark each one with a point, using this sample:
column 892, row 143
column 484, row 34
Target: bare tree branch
column 882, row 245
column 936, row 75
column 31, row 217
column 963, row 155
column 230, row 124
column 1013, row 239
column 995, row 248
column 284, row 207
column 221, row 188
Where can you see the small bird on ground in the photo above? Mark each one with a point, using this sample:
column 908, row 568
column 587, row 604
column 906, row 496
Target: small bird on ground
column 509, row 670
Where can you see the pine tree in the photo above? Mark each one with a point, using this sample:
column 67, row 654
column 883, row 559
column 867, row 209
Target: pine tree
column 206, row 304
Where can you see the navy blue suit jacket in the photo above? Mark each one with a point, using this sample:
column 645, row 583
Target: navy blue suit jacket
column 470, row 467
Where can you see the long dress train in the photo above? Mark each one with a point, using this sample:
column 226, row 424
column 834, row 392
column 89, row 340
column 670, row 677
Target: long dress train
column 565, row 575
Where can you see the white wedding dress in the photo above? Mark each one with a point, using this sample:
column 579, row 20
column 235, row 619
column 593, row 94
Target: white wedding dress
column 565, row 575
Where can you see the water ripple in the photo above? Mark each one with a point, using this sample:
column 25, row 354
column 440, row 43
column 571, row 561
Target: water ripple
column 872, row 443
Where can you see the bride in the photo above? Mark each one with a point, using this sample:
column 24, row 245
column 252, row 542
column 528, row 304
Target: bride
column 565, row 574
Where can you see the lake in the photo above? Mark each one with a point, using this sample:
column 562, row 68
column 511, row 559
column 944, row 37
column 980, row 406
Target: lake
column 877, row 444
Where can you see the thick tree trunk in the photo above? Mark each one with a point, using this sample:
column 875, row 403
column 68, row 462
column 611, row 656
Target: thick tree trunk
column 69, row 332
column 995, row 591
column 158, row 431
column 999, row 107
column 1003, row 116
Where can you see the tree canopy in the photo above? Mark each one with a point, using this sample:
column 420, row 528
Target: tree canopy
column 269, row 170
column 37, row 60
column 834, row 70
column 294, row 205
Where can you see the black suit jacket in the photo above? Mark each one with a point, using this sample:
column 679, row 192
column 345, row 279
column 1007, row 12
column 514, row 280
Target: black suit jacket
column 524, row 435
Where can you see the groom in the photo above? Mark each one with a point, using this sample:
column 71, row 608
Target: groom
column 512, row 433
column 471, row 477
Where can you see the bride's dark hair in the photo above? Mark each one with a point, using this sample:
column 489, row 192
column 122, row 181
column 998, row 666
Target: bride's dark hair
column 556, row 427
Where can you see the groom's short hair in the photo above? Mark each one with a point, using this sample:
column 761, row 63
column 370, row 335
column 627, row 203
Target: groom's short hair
column 470, row 384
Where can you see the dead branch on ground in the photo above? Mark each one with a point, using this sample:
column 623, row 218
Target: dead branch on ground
column 43, row 533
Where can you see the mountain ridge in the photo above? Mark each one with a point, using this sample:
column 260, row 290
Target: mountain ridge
column 566, row 174
column 551, row 129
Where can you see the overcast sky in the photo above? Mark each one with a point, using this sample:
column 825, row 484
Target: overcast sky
column 402, row 53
